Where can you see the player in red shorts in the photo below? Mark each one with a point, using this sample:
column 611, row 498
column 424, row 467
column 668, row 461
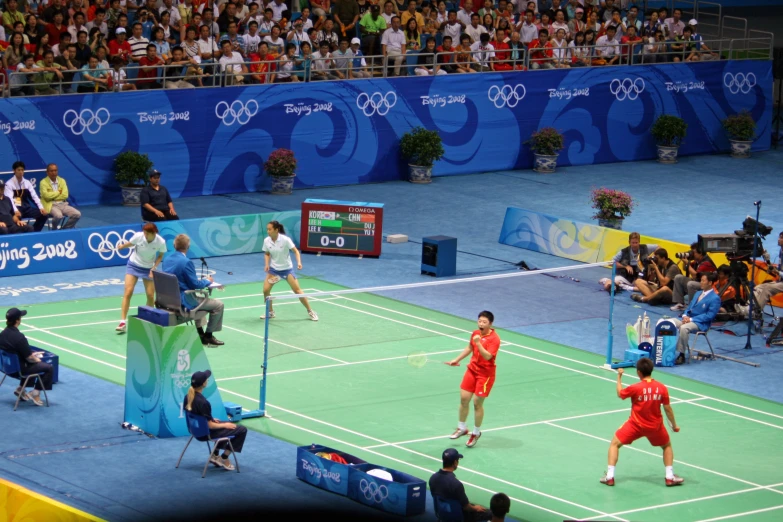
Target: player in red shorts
column 479, row 377
column 647, row 397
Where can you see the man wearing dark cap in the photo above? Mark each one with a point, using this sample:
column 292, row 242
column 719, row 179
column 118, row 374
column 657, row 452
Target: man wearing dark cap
column 14, row 342
column 156, row 203
column 10, row 217
column 197, row 404
column 444, row 484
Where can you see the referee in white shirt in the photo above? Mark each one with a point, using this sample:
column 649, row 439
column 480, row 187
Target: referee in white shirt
column 22, row 193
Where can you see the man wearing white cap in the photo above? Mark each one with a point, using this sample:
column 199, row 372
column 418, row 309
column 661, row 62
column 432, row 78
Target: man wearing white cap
column 703, row 53
column 358, row 64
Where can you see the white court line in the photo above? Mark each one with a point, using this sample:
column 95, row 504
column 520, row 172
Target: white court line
column 731, row 477
column 468, row 470
column 689, row 501
column 75, row 341
column 548, row 354
column 559, row 365
column 287, row 345
column 726, row 517
column 75, row 353
column 281, row 372
column 526, row 424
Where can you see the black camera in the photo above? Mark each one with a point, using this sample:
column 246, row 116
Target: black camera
column 647, row 261
column 683, row 255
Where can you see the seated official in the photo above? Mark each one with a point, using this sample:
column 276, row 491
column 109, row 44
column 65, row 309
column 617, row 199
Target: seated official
column 14, row 342
column 628, row 263
column 22, row 193
column 698, row 263
column 178, row 264
column 10, row 217
column 197, row 404
column 699, row 315
column 54, row 196
column 657, row 288
column 444, row 484
column 766, row 291
column 156, row 203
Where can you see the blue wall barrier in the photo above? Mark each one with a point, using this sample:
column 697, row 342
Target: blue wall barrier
column 35, row 253
column 214, row 141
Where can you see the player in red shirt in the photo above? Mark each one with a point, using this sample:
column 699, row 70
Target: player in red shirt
column 647, row 397
column 479, row 377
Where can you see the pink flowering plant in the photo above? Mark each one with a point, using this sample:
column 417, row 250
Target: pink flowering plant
column 281, row 163
column 611, row 204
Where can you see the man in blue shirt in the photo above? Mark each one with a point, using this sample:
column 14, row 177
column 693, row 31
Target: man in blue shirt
column 444, row 484
column 700, row 313
column 178, row 264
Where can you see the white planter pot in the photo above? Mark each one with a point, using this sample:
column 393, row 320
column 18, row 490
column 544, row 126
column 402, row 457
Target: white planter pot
column 282, row 185
column 667, row 154
column 545, row 164
column 419, row 174
column 740, row 149
column 131, row 196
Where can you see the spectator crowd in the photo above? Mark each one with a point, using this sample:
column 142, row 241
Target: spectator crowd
column 62, row 46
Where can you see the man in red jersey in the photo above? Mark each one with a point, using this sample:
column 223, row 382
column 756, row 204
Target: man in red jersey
column 647, row 397
column 479, row 377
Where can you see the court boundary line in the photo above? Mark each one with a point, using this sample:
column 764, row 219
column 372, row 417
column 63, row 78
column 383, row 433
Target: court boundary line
column 78, row 354
column 509, row 343
column 727, row 517
column 369, row 437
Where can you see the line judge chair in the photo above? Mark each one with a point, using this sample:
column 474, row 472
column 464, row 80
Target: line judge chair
column 447, row 510
column 168, row 297
column 11, row 367
column 198, row 427
column 695, row 340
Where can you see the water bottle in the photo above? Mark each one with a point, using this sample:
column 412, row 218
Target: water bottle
column 646, row 328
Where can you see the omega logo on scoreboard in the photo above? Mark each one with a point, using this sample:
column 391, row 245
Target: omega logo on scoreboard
column 341, row 227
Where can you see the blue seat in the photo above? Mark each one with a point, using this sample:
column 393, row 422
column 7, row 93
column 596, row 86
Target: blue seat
column 11, row 367
column 198, row 427
column 447, row 510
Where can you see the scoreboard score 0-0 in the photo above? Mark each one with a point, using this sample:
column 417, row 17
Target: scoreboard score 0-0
column 341, row 227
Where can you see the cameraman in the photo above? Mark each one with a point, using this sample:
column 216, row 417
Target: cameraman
column 696, row 262
column 663, row 271
column 766, row 291
column 725, row 290
column 628, row 263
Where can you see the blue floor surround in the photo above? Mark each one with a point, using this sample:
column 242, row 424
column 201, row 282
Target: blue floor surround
column 88, row 461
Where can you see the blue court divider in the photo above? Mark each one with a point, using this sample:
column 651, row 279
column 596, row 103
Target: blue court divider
column 215, row 140
column 59, row 251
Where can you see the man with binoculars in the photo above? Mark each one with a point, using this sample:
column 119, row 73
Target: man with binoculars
column 696, row 262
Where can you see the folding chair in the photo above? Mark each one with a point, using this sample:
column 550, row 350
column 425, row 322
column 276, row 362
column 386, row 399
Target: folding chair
column 447, row 510
column 691, row 350
column 167, row 297
column 198, row 427
column 11, row 367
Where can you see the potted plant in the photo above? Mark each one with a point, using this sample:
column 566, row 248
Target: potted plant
column 546, row 145
column 668, row 131
column 281, row 167
column 422, row 148
column 742, row 131
column 612, row 206
column 131, row 170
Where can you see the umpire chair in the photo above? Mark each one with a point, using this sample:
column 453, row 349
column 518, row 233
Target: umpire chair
column 168, row 297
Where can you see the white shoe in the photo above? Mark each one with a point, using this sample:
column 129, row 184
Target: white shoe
column 271, row 315
column 677, row 307
column 313, row 315
column 226, row 463
column 122, row 327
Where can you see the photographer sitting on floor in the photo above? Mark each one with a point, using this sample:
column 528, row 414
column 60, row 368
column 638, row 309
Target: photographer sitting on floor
column 628, row 263
column 696, row 262
column 661, row 272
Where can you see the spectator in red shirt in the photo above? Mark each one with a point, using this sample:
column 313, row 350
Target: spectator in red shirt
column 501, row 51
column 479, row 377
column 263, row 72
column 120, row 47
column 631, row 45
column 647, row 397
column 148, row 77
column 541, row 51
column 56, row 28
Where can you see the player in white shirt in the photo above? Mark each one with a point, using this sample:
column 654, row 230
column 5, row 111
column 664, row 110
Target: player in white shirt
column 278, row 265
column 148, row 249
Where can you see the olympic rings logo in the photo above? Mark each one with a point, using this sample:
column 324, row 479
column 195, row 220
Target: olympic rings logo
column 627, row 89
column 237, row 112
column 106, row 247
column 86, row 120
column 181, row 380
column 376, row 103
column 739, row 82
column 506, row 96
column 373, row 491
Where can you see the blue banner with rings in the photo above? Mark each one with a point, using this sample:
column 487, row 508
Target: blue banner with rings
column 43, row 252
column 215, row 140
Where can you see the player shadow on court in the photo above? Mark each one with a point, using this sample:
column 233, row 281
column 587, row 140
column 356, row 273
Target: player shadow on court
column 504, row 443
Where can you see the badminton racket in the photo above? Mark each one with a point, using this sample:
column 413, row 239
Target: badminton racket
column 417, row 359
column 273, row 279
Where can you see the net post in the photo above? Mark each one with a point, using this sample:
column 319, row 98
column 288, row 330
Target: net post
column 610, row 336
column 262, row 392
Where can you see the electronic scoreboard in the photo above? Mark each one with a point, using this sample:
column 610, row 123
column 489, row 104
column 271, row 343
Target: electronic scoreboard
column 341, row 227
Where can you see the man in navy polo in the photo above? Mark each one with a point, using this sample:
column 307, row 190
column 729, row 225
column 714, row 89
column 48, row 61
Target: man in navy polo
column 444, row 484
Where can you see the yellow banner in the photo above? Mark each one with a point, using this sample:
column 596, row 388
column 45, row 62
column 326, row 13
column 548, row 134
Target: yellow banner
column 18, row 504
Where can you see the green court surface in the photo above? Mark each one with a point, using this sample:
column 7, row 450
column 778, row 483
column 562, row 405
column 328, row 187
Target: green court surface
column 345, row 381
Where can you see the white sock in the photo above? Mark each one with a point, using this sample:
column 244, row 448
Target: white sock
column 669, row 472
column 462, row 425
column 476, row 430
column 610, row 472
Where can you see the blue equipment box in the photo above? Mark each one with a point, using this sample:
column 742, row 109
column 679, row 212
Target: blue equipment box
column 53, row 359
column 635, row 355
column 405, row 495
column 439, row 256
column 234, row 411
column 157, row 316
column 324, row 473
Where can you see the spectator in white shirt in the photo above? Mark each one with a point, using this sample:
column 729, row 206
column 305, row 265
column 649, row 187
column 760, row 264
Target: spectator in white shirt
column 323, row 65
column 275, row 43
column 607, row 47
column 252, row 40
column 100, row 22
column 279, row 9
column 138, row 43
column 393, row 45
column 232, row 65
column 674, row 24
column 207, row 47
column 560, row 51
column 452, row 26
column 465, row 15
column 265, row 26
column 483, row 53
column 560, row 23
column 475, row 30
column 22, row 193
column 253, row 15
column 388, row 12
column 297, row 36
column 528, row 30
